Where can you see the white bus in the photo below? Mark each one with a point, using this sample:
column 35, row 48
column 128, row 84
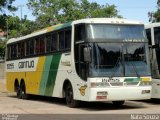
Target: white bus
column 96, row 59
column 153, row 35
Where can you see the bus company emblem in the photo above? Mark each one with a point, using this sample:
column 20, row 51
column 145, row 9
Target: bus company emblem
column 66, row 63
column 82, row 90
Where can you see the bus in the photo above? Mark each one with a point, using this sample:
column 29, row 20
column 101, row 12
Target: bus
column 94, row 59
column 153, row 35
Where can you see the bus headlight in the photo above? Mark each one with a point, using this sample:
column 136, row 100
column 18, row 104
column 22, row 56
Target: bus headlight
column 145, row 92
column 99, row 84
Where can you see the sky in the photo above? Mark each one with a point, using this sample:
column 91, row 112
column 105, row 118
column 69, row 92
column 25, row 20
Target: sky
column 129, row 9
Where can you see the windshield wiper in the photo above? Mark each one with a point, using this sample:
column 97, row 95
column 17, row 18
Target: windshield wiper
column 135, row 69
column 115, row 70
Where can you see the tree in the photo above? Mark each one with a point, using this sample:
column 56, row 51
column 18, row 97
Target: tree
column 18, row 27
column 6, row 4
column 2, row 49
column 50, row 12
column 155, row 16
column 95, row 10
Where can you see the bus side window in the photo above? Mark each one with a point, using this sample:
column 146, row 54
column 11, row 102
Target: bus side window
column 22, row 49
column 27, row 47
column 148, row 33
column 37, row 46
column 13, row 51
column 48, row 43
column 68, row 39
column 54, row 42
column 31, row 47
column 19, row 50
column 42, row 45
column 61, row 40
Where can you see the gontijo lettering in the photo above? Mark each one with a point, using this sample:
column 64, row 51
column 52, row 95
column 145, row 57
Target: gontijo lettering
column 26, row 64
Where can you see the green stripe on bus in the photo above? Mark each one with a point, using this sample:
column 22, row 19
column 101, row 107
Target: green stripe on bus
column 52, row 75
column 65, row 25
column 132, row 80
column 45, row 74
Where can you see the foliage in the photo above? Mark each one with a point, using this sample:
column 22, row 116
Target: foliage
column 50, row 12
column 17, row 27
column 155, row 16
column 7, row 4
column 4, row 5
column 2, row 49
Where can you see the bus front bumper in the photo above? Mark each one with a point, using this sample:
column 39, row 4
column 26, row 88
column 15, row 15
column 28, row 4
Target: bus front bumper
column 118, row 94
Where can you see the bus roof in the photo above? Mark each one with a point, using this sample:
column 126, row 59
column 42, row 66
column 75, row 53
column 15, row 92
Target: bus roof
column 88, row 20
column 40, row 32
column 107, row 20
column 152, row 25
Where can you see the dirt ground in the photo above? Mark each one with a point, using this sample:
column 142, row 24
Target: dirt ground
column 2, row 87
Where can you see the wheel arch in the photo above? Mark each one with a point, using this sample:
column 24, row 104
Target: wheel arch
column 65, row 83
column 22, row 81
column 16, row 84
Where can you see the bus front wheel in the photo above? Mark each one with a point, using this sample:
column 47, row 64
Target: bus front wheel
column 69, row 97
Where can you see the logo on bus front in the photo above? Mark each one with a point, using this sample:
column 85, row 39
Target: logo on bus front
column 82, row 90
column 111, row 80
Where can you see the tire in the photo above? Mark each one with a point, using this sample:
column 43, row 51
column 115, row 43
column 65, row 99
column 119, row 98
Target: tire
column 17, row 89
column 18, row 92
column 118, row 103
column 69, row 97
column 23, row 94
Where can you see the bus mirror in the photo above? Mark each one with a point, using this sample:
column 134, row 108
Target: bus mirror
column 87, row 54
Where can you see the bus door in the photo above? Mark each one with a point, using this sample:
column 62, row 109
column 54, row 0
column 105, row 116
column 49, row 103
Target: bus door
column 83, row 66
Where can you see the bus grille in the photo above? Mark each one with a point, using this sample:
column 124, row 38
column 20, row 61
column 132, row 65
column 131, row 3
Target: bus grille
column 124, row 84
column 117, row 84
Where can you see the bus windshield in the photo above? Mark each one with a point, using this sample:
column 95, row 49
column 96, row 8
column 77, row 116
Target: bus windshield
column 116, row 32
column 117, row 59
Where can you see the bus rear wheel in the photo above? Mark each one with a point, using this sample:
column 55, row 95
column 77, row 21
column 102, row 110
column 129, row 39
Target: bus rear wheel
column 23, row 94
column 118, row 103
column 17, row 89
column 69, row 97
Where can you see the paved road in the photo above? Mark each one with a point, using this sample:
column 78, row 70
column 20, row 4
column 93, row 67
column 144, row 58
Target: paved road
column 43, row 105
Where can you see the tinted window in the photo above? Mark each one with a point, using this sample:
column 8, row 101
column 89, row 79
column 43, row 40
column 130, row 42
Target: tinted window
column 54, row 45
column 29, row 47
column 21, row 49
column 37, row 46
column 42, row 45
column 61, row 40
column 157, row 35
column 48, row 43
column 148, row 33
column 67, row 39
column 80, row 32
column 13, row 51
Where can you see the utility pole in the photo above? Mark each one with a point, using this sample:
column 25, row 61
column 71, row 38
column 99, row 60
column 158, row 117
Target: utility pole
column 21, row 6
